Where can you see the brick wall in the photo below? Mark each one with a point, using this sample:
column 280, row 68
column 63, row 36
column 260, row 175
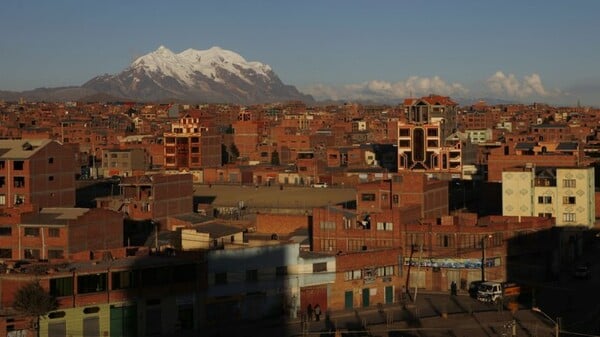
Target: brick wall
column 280, row 224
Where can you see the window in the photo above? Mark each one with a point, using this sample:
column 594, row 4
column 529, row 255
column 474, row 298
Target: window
column 18, row 165
column 570, row 183
column 19, row 199
column 19, row 181
column 123, row 280
column 568, row 200
column 367, row 197
column 252, row 275
column 385, row 226
column 220, row 278
column 5, row 231
column 184, row 273
column 53, row 232
column 355, row 244
column 569, row 217
column 319, row 267
column 55, row 254
column 50, row 160
column 91, row 283
column 5, row 253
column 395, row 199
column 328, row 244
column 545, row 215
column 30, row 253
column 353, row 275
column 385, row 271
column 32, row 231
column 327, row 225
column 50, row 178
column 404, row 132
column 61, row 286
column 2, row 164
column 544, row 200
column 2, row 181
column 195, row 149
column 281, row 271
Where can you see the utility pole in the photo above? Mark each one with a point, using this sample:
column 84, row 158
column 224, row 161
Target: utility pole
column 418, row 269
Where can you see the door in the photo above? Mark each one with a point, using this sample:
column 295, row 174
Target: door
column 123, row 321
column 436, row 277
column 389, row 294
column 349, row 299
column 366, row 294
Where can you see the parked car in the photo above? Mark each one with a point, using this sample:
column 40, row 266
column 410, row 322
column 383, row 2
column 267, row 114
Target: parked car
column 582, row 272
column 319, row 185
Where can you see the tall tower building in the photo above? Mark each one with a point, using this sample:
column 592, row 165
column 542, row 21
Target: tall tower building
column 429, row 142
column 192, row 144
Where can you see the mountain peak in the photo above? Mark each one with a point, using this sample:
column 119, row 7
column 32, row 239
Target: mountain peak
column 217, row 73
column 162, row 50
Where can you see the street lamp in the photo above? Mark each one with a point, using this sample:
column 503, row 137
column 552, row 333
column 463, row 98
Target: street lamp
column 483, row 239
column 556, row 325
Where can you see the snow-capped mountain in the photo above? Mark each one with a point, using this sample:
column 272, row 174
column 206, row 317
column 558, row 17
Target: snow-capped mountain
column 212, row 75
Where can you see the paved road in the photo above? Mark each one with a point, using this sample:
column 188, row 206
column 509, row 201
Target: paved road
column 432, row 315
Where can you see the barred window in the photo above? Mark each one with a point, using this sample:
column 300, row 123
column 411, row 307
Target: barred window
column 570, row 183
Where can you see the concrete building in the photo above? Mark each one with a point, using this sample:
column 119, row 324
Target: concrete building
column 257, row 282
column 124, row 162
column 564, row 193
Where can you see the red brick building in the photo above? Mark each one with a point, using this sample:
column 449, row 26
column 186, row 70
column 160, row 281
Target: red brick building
column 411, row 188
column 56, row 233
column 36, row 172
column 152, row 197
column 192, row 144
column 366, row 278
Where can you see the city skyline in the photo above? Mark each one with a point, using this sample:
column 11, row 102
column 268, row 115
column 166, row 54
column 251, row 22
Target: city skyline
column 532, row 52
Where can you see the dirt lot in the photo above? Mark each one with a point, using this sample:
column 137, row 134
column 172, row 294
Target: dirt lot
column 272, row 196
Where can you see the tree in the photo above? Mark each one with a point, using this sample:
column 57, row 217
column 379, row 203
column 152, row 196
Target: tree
column 32, row 300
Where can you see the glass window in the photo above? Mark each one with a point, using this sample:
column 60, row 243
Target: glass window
column 61, row 286
column 32, row 231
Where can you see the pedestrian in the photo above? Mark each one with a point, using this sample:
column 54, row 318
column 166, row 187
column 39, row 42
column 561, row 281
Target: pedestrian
column 309, row 312
column 453, row 288
column 317, row 312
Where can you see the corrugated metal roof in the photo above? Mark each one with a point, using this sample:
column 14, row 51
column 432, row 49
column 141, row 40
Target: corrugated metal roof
column 525, row 146
column 567, row 146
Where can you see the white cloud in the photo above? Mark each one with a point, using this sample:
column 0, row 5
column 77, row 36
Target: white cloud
column 414, row 86
column 503, row 85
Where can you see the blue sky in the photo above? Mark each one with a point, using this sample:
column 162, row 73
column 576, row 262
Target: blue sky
column 543, row 51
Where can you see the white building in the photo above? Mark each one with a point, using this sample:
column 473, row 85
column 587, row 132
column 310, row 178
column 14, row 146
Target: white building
column 564, row 193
